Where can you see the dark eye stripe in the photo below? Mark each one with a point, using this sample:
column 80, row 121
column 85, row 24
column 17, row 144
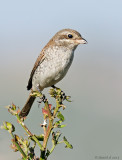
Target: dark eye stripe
column 70, row 35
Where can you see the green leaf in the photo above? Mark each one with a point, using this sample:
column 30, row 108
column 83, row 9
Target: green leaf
column 68, row 98
column 13, row 146
column 25, row 146
column 4, row 126
column 61, row 126
column 52, row 92
column 8, row 126
column 60, row 116
column 13, row 107
column 68, row 145
column 58, row 134
column 36, row 94
column 48, row 153
column 23, row 143
column 40, row 137
column 57, row 123
column 58, row 90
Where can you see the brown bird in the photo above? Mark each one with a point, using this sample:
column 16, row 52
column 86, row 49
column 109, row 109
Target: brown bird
column 53, row 63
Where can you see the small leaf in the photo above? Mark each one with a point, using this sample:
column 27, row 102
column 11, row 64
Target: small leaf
column 52, row 92
column 44, row 111
column 17, row 138
column 36, row 94
column 68, row 145
column 8, row 126
column 60, row 116
column 40, row 137
column 68, row 98
column 23, row 143
column 13, row 107
column 13, row 146
column 18, row 111
column 31, row 154
column 48, row 153
column 11, row 110
column 58, row 134
column 54, row 142
column 58, row 90
column 61, row 126
column 50, row 106
column 57, row 123
column 4, row 126
column 63, row 106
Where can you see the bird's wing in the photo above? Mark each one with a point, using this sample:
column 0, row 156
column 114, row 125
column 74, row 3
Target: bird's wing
column 38, row 61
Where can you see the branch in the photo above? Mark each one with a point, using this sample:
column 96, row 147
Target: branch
column 18, row 146
column 52, row 119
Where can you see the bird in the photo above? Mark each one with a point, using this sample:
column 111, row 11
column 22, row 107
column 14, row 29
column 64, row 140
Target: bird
column 52, row 63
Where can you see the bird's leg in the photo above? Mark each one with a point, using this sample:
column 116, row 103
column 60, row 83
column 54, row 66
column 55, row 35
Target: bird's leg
column 43, row 98
column 38, row 89
column 63, row 95
column 55, row 87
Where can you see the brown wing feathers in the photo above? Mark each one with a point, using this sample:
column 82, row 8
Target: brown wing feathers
column 38, row 61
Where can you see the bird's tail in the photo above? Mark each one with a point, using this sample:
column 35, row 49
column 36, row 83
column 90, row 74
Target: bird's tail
column 26, row 109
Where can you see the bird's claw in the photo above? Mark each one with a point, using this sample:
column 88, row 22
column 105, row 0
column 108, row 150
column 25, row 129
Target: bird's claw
column 63, row 95
column 42, row 99
column 59, row 92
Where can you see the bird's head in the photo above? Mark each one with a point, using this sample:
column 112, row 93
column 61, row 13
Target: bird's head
column 68, row 38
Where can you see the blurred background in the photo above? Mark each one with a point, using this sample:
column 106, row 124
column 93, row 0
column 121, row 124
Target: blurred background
column 94, row 81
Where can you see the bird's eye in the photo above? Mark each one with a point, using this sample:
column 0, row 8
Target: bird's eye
column 70, row 35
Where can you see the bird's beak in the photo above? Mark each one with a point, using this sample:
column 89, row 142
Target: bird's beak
column 81, row 41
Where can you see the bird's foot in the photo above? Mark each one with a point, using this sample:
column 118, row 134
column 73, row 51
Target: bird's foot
column 42, row 99
column 61, row 93
column 64, row 97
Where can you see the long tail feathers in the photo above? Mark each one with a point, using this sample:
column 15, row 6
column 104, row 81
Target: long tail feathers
column 26, row 109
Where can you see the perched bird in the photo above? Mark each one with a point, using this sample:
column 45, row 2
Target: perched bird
column 53, row 63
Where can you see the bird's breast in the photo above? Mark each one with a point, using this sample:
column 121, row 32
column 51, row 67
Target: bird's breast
column 54, row 67
column 60, row 62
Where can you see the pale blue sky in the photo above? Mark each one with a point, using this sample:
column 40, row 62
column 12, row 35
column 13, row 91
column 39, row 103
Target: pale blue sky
column 94, row 81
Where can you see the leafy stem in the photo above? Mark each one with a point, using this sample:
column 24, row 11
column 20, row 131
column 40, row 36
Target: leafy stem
column 28, row 131
column 18, row 146
column 52, row 119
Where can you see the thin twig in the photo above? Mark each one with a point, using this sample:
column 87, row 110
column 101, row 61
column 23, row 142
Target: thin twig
column 50, row 126
column 18, row 146
column 29, row 132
